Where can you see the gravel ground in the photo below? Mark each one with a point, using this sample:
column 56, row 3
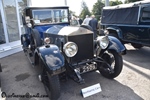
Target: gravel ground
column 19, row 77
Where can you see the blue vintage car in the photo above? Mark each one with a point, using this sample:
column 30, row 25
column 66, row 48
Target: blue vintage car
column 60, row 50
column 130, row 23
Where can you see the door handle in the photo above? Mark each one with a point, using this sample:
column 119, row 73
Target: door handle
column 141, row 30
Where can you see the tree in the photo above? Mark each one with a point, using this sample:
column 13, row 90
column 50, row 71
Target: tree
column 129, row 1
column 72, row 13
column 97, row 8
column 25, row 2
column 113, row 3
column 85, row 10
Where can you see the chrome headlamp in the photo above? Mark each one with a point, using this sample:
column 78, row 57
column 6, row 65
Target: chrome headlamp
column 70, row 49
column 106, row 32
column 103, row 41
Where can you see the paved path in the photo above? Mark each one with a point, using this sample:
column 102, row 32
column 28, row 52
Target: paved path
column 19, row 77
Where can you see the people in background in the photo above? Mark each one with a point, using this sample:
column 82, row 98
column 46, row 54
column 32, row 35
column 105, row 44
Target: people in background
column 99, row 26
column 86, row 20
column 99, row 23
column 74, row 21
column 94, row 24
column 80, row 20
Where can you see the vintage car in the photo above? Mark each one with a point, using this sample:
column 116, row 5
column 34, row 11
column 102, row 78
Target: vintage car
column 130, row 23
column 62, row 51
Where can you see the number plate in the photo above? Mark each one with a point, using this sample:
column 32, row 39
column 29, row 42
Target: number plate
column 87, row 68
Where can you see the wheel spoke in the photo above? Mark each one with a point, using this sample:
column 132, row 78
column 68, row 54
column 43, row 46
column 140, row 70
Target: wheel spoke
column 114, row 60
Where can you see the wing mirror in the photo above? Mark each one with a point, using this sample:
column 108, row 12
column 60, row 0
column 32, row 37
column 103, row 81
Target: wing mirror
column 27, row 20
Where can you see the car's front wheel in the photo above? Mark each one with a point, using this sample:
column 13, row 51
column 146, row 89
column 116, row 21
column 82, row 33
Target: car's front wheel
column 52, row 86
column 115, row 61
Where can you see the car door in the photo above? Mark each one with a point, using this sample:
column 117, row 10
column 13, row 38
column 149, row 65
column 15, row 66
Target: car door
column 140, row 32
column 135, row 34
column 144, row 22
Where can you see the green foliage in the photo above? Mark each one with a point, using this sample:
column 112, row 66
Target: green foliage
column 85, row 10
column 72, row 13
column 129, row 1
column 113, row 3
column 97, row 8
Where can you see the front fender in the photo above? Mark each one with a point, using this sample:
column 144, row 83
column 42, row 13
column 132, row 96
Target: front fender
column 52, row 59
column 116, row 29
column 116, row 45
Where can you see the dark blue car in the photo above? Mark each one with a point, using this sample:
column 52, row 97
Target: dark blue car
column 130, row 23
column 61, row 51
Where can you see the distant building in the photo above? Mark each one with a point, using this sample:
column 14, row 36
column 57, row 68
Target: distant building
column 11, row 26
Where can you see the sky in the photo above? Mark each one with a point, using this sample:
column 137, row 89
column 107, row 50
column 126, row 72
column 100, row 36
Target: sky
column 74, row 5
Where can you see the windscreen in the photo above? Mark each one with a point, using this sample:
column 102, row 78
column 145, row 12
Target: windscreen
column 50, row 16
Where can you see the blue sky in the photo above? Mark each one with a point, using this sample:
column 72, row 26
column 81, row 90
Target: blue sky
column 74, row 5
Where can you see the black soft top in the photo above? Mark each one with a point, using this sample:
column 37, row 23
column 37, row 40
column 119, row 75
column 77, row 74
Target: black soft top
column 122, row 14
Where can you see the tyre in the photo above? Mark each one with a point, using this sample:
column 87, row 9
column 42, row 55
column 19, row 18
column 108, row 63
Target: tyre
column 137, row 46
column 52, row 86
column 115, row 61
column 35, row 39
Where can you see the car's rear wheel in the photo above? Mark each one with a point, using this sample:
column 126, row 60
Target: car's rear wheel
column 137, row 46
column 52, row 85
column 115, row 61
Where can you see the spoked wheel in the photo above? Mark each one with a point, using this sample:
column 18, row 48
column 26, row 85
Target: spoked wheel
column 52, row 86
column 115, row 61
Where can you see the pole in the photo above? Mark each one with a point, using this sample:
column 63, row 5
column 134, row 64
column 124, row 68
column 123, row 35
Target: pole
column 65, row 2
column 106, row 2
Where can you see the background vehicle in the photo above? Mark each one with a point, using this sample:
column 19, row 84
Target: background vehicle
column 62, row 51
column 130, row 23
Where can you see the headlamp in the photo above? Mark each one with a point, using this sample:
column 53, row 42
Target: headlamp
column 103, row 41
column 106, row 32
column 70, row 49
